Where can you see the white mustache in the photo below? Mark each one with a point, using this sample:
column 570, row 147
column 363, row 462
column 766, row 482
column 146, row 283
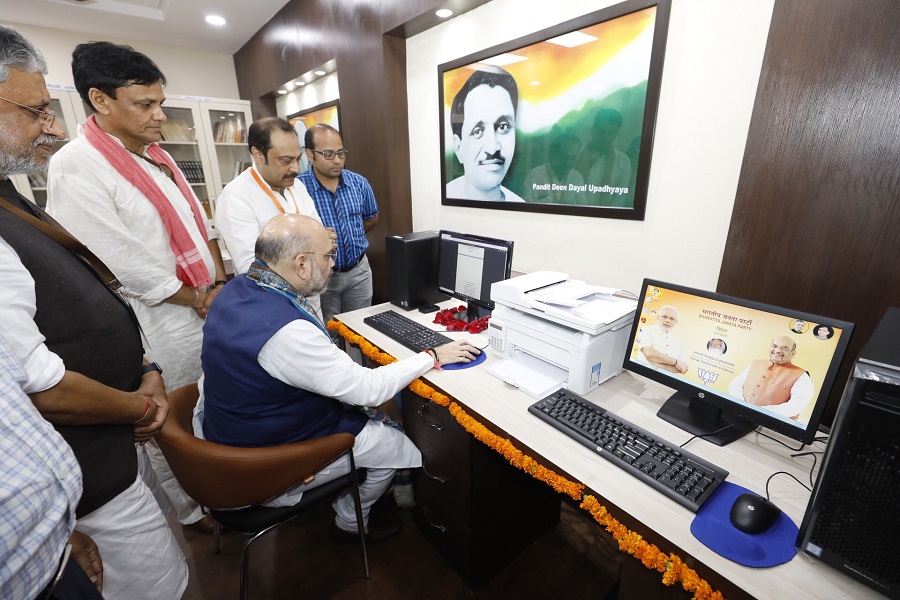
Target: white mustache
column 45, row 139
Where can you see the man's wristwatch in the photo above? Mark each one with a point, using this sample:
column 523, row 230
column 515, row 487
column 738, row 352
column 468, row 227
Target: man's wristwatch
column 151, row 367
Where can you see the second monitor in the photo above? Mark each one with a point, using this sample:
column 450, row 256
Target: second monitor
column 468, row 265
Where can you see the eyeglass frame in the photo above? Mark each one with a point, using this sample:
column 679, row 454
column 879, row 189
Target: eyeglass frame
column 332, row 255
column 343, row 152
column 48, row 117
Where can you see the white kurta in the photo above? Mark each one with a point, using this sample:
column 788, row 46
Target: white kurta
column 244, row 207
column 120, row 225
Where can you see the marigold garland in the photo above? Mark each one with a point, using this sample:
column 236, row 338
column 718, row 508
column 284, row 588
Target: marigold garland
column 673, row 569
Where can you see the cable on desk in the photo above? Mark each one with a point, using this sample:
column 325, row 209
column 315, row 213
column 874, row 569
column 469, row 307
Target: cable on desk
column 789, row 475
column 802, row 446
column 813, row 467
column 700, row 435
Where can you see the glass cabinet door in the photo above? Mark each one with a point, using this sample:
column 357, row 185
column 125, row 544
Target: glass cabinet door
column 225, row 127
column 181, row 139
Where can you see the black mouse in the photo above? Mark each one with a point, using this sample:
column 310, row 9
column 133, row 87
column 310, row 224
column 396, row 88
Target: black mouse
column 751, row 513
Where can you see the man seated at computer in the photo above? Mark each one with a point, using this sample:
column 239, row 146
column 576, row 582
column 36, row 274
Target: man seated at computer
column 660, row 346
column 775, row 383
column 279, row 379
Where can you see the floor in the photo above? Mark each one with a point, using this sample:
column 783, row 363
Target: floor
column 576, row 559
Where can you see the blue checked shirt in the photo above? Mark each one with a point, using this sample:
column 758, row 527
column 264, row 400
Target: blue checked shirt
column 40, row 485
column 345, row 210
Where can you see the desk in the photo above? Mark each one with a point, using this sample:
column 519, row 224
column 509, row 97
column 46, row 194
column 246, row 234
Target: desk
column 661, row 521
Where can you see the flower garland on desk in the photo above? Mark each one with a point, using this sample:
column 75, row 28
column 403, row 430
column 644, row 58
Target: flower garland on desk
column 674, row 569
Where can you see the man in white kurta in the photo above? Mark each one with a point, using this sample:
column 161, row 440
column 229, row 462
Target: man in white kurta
column 660, row 346
column 103, row 210
column 132, row 211
column 268, row 188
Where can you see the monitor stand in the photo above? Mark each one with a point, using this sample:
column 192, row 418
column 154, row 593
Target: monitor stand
column 699, row 417
column 473, row 312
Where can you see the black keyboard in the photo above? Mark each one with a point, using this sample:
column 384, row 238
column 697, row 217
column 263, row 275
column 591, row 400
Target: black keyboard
column 414, row 336
column 678, row 474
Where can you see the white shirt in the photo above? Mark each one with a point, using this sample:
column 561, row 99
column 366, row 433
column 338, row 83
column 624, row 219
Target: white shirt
column 18, row 305
column 244, row 207
column 121, row 226
column 458, row 188
column 667, row 343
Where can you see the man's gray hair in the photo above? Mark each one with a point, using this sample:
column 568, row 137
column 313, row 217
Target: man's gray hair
column 279, row 249
column 18, row 53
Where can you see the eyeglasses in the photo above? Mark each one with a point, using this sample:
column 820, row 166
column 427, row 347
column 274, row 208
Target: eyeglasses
column 329, row 154
column 46, row 116
column 332, row 256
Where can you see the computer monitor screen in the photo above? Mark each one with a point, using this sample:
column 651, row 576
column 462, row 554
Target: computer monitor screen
column 736, row 364
column 468, row 265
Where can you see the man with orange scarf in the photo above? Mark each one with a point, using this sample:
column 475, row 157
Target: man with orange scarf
column 115, row 189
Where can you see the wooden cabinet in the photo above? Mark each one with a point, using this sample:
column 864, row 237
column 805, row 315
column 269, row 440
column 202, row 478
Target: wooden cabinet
column 475, row 508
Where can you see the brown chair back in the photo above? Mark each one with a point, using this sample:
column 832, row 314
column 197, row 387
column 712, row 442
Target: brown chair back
column 225, row 477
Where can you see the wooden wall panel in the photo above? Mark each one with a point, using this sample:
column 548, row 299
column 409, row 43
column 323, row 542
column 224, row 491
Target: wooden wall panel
column 816, row 220
column 372, row 81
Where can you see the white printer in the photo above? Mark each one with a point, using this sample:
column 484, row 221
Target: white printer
column 556, row 332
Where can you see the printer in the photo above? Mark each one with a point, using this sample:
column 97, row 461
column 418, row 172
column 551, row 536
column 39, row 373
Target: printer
column 556, row 332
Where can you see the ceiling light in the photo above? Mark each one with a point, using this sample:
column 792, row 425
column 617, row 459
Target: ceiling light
column 215, row 20
column 320, row 72
column 443, row 13
column 282, row 91
column 300, row 83
column 501, row 60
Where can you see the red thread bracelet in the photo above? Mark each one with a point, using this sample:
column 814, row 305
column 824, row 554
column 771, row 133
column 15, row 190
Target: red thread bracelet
column 146, row 408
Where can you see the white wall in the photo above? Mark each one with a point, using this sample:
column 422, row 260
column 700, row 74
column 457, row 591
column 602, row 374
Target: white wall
column 188, row 72
column 713, row 59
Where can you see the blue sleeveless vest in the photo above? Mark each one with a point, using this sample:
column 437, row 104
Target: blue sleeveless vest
column 244, row 405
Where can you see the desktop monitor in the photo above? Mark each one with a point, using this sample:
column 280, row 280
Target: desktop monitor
column 468, row 265
column 736, row 364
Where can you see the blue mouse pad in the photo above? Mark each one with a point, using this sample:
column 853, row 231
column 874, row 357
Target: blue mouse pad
column 456, row 366
column 713, row 527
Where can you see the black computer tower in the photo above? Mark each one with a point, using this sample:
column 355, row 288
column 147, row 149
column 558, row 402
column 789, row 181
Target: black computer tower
column 853, row 518
column 412, row 261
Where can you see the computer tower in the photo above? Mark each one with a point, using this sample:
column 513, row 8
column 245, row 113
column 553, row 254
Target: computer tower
column 853, row 518
column 412, row 261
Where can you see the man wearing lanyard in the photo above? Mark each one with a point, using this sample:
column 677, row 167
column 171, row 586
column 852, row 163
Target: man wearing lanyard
column 345, row 201
column 268, row 188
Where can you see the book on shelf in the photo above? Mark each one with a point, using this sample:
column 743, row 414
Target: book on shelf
column 192, row 169
column 229, row 131
column 240, row 166
column 177, row 130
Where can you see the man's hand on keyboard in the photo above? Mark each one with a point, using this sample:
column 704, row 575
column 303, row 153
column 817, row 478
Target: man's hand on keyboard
column 458, row 351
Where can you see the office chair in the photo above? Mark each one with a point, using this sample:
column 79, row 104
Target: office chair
column 233, row 482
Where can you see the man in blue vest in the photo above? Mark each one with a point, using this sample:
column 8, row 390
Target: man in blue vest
column 280, row 379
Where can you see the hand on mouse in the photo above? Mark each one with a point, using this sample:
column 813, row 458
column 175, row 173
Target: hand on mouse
column 459, row 351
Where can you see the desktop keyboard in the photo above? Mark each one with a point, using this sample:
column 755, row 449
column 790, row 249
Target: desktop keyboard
column 414, row 336
column 678, row 474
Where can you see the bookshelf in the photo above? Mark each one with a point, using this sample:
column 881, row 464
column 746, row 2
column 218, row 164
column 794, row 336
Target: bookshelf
column 189, row 135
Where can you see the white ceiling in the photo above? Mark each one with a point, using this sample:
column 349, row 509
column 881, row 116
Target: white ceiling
column 172, row 22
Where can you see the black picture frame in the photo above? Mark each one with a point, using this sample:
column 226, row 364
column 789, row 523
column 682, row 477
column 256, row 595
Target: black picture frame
column 624, row 58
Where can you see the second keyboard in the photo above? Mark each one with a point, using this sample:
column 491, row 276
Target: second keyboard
column 676, row 473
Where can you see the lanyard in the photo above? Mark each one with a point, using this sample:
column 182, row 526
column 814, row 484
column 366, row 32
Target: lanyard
column 268, row 191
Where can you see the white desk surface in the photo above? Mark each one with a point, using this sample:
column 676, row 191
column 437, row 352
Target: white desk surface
column 750, row 461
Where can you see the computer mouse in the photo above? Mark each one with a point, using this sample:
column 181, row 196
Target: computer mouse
column 751, row 513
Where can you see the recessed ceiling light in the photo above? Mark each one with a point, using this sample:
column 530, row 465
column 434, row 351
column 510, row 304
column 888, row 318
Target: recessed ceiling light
column 300, row 83
column 319, row 72
column 215, row 20
column 443, row 13
column 282, row 91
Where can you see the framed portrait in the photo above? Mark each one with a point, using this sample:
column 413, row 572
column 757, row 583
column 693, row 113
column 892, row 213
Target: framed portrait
column 559, row 121
column 328, row 113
